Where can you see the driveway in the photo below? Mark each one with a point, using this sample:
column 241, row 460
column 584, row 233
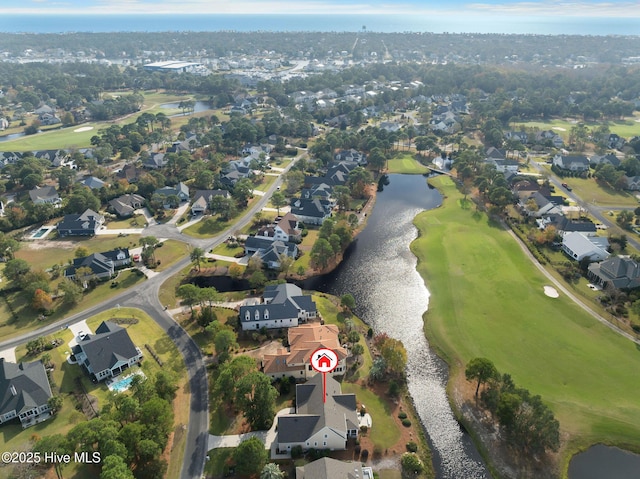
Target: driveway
column 234, row 440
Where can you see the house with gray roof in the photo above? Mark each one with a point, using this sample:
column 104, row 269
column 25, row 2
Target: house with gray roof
column 283, row 306
column 575, row 163
column 103, row 265
column 45, row 194
column 579, row 246
column 609, row 158
column 311, row 211
column 329, row 468
column 126, row 205
column 564, row 225
column 93, row 183
column 269, row 251
column 618, row 272
column 24, row 392
column 320, row 421
column 85, row 224
column 108, row 352
column 202, row 200
column 180, row 190
column 155, row 161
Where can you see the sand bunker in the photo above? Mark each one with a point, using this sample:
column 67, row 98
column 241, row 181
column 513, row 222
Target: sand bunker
column 551, row 292
column 558, row 128
column 84, row 128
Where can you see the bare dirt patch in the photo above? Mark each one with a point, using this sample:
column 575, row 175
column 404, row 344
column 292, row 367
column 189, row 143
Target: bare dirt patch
column 46, row 244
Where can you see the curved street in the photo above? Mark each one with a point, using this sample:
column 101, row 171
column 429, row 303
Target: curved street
column 144, row 296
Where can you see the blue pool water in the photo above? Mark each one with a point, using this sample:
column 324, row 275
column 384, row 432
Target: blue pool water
column 124, row 383
column 40, row 233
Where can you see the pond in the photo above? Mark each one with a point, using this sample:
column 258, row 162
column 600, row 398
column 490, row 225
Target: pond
column 601, row 461
column 198, row 106
column 379, row 270
column 12, row 136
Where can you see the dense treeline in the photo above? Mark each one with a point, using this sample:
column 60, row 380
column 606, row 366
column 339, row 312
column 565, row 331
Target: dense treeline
column 507, row 95
column 130, row 433
column 481, row 48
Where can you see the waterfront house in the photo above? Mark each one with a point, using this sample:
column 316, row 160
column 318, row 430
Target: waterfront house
column 283, row 306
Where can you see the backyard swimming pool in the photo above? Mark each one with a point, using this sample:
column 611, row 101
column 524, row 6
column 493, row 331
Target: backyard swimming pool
column 40, row 233
column 123, row 383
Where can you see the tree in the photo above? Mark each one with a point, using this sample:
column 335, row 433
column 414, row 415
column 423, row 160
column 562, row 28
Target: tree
column 257, row 279
column 294, row 180
column 114, row 467
column 481, row 370
column 190, row 294
column 357, row 350
column 256, row 397
column 625, row 219
column 395, row 355
column 81, row 252
column 84, row 275
column 54, row 403
column 347, row 301
column 321, row 253
column 224, row 341
column 250, row 456
column 42, row 301
column 278, row 200
column 72, row 292
column 271, row 471
column 15, row 270
column 357, row 181
column 411, row 464
column 243, row 191
column 377, row 159
column 197, row 255
column 235, row 271
column 230, row 373
column 149, row 244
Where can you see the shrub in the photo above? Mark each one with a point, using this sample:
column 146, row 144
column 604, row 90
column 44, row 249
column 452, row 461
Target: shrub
column 364, row 455
column 412, row 446
column 406, row 423
column 402, row 415
column 296, row 452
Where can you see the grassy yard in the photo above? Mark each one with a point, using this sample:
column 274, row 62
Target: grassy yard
column 28, row 318
column 384, row 431
column 224, row 250
column 406, row 164
column 170, row 252
column 487, row 300
column 136, row 221
column 266, row 183
column 592, row 192
column 44, row 254
column 626, row 128
column 167, row 294
column 14, row 438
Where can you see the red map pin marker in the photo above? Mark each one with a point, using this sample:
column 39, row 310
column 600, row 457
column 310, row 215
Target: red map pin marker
column 324, row 360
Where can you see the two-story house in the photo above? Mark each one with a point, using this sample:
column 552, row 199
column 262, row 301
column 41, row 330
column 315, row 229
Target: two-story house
column 24, row 392
column 283, row 306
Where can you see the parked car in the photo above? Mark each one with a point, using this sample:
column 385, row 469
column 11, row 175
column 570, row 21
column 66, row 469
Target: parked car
column 566, row 186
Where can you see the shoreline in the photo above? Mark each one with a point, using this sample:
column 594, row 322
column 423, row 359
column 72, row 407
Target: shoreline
column 442, row 323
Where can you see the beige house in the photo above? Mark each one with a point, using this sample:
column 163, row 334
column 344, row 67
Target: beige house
column 303, row 341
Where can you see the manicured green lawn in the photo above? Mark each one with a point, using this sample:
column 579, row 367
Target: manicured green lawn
column 487, row 300
column 267, row 181
column 224, row 250
column 625, row 128
column 591, row 191
column 170, row 252
column 384, row 431
column 215, row 466
column 406, row 164
column 136, row 221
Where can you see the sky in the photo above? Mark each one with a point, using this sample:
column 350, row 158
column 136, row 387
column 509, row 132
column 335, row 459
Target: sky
column 578, row 8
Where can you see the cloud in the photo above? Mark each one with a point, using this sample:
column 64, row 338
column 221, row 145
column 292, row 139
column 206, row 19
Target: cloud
column 584, row 8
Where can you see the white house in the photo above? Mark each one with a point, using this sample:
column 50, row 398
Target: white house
column 579, row 246
column 318, row 424
column 24, row 392
column 284, row 306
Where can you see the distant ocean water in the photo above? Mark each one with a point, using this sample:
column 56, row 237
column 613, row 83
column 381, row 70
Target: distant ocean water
column 319, row 23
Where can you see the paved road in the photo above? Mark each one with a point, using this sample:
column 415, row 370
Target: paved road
column 145, row 297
